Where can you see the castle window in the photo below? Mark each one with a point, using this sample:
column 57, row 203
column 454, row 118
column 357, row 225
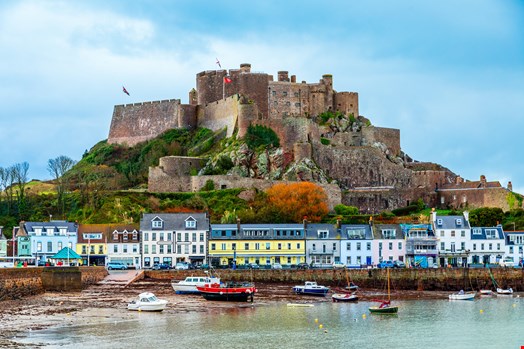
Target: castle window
column 284, row 94
column 297, row 104
column 296, row 94
column 275, row 103
column 274, row 93
column 223, row 186
column 288, row 104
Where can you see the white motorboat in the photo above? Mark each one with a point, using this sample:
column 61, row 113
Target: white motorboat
column 486, row 292
column 504, row 291
column 311, row 288
column 344, row 297
column 461, row 295
column 147, row 302
column 189, row 285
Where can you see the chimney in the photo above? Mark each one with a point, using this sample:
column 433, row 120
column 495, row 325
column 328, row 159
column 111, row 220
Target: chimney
column 283, row 76
column 338, row 222
column 245, row 68
column 510, row 186
column 305, row 223
column 482, row 181
column 238, row 226
column 293, row 78
column 433, row 215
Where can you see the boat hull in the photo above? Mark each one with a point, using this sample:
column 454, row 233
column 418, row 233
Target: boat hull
column 228, row 293
column 503, row 291
column 462, row 297
column 385, row 310
column 147, row 307
column 344, row 297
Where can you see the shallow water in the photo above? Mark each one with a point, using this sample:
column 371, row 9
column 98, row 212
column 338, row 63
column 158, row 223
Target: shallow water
column 484, row 323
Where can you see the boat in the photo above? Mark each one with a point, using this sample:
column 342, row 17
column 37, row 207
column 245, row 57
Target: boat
column 344, row 297
column 229, row 291
column 486, row 292
column 189, row 285
column 348, row 294
column 504, row 291
column 311, row 288
column 461, row 295
column 299, row 305
column 147, row 301
column 385, row 306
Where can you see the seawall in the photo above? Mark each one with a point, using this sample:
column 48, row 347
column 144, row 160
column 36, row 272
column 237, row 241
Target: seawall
column 401, row 279
column 17, row 283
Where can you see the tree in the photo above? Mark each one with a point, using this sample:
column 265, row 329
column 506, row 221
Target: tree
column 298, row 200
column 20, row 175
column 58, row 168
column 486, row 216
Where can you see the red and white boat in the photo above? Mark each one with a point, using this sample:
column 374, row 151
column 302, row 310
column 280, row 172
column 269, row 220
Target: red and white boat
column 229, row 291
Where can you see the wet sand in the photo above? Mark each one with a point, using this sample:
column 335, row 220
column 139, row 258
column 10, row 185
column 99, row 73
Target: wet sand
column 108, row 303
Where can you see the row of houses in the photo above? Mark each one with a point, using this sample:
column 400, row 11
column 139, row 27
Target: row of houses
column 189, row 237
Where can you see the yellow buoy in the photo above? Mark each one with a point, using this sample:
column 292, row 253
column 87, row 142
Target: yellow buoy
column 514, row 305
column 316, row 320
column 363, row 316
column 481, row 311
column 320, row 326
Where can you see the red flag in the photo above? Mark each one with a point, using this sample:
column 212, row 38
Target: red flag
column 227, row 80
column 125, row 91
column 218, row 62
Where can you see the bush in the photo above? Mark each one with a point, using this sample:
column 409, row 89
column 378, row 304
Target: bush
column 258, row 135
column 344, row 210
column 210, row 185
column 325, row 141
column 404, row 211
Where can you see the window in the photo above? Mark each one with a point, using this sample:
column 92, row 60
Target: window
column 193, row 250
column 334, row 246
column 234, row 246
column 115, row 236
column 193, row 237
column 389, row 233
column 490, row 247
column 153, row 249
column 400, row 245
column 443, row 246
column 356, row 233
column 323, row 234
column 213, row 247
column 482, row 247
column 201, row 237
column 289, row 246
column 146, row 249
column 279, row 246
column 314, row 247
column 146, row 236
column 246, row 246
column 368, row 246
column 459, row 221
column 284, row 94
column 439, row 221
column 474, row 247
column 153, row 236
column 390, row 246
column 452, row 233
column 178, row 236
column 257, row 246
column 298, row 246
column 156, row 224
column 463, row 246
column 511, row 249
column 161, row 237
column 39, row 246
column 223, row 247
column 201, row 248
column 84, row 249
column 135, row 249
column 477, row 231
column 498, row 246
column 268, row 245
column 186, row 236
column 115, row 248
column 49, row 246
column 359, row 260
column 358, row 246
column 491, row 233
column 126, row 236
column 169, row 247
column 59, row 245
column 348, row 246
column 463, row 233
column 191, row 223
column 442, row 233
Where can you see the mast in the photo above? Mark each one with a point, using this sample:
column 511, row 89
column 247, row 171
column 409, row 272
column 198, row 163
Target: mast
column 389, row 297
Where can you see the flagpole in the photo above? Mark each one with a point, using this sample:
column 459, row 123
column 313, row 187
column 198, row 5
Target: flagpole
column 223, row 88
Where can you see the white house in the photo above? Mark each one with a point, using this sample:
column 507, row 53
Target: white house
column 174, row 237
column 453, row 235
column 514, row 246
column 356, row 245
column 487, row 245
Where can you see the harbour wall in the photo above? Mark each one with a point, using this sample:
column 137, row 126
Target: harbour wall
column 17, row 283
column 442, row 279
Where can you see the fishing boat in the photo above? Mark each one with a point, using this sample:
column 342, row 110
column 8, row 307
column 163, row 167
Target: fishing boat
column 461, row 295
column 486, row 292
column 189, row 285
column 311, row 288
column 147, row 301
column 229, row 291
column 385, row 306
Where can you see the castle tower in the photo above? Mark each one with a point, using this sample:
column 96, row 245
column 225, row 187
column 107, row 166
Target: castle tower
column 283, row 76
column 510, row 186
column 193, row 97
column 245, row 68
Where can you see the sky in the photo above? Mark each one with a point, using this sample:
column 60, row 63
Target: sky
column 449, row 74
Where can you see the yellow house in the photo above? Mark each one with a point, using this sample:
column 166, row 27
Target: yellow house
column 262, row 244
column 93, row 241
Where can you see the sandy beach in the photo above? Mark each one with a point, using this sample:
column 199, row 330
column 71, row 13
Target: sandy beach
column 107, row 302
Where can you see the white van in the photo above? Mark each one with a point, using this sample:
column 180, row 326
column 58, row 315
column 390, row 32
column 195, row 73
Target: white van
column 507, row 262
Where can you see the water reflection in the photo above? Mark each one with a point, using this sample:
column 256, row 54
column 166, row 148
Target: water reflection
column 483, row 323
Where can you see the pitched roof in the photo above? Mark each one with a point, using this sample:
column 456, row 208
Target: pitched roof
column 479, row 233
column 451, row 222
column 377, row 230
column 368, row 233
column 174, row 221
column 55, row 225
column 105, row 229
column 313, row 228
column 66, row 253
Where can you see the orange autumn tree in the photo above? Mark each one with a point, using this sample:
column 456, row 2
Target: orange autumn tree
column 295, row 201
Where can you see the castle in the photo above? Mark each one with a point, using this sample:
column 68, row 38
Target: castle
column 365, row 163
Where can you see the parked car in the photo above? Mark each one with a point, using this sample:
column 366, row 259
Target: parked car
column 276, row 266
column 386, row 264
column 338, row 265
column 116, row 266
column 182, row 266
column 302, row 266
column 399, row 264
column 254, row 266
column 204, row 266
column 161, row 266
column 507, row 262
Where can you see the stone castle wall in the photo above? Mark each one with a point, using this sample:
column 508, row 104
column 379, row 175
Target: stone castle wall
column 388, row 136
column 173, row 172
column 474, row 198
column 360, row 167
column 220, row 114
column 135, row 123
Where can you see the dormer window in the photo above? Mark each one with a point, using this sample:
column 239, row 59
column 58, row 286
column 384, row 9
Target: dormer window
column 439, row 221
column 323, row 234
column 477, row 231
column 459, row 221
column 135, row 235
column 389, row 233
column 190, row 223
column 157, row 223
column 115, row 236
column 125, row 236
